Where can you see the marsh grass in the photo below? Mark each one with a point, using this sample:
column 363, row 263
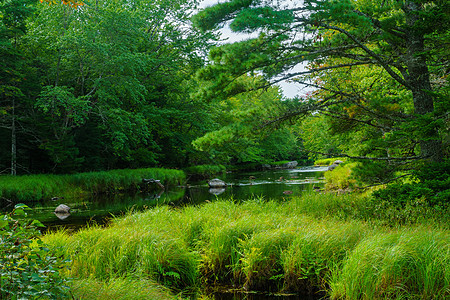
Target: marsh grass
column 119, row 289
column 409, row 264
column 39, row 187
column 310, row 244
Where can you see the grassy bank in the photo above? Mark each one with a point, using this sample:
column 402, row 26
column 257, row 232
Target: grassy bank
column 38, row 187
column 317, row 243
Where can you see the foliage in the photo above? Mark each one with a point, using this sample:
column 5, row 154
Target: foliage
column 205, row 171
column 102, row 85
column 239, row 138
column 29, row 269
column 374, row 94
column 328, row 161
column 430, row 186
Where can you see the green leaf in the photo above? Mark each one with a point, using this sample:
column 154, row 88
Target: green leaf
column 19, row 212
column 21, row 205
column 37, row 223
column 3, row 223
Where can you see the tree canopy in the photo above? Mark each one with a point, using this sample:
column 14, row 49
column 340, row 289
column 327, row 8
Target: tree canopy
column 378, row 69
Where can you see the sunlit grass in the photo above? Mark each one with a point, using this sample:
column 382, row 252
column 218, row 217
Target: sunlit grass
column 409, row 264
column 309, row 244
column 40, row 187
column 119, row 289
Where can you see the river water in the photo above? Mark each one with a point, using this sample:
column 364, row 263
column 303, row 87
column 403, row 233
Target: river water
column 271, row 184
column 277, row 184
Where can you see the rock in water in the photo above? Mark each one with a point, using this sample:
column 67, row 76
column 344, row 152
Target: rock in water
column 216, row 183
column 62, row 209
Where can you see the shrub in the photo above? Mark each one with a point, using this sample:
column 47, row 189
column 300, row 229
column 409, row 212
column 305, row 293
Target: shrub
column 28, row 269
column 431, row 187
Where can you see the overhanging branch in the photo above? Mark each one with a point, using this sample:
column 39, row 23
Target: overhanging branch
column 371, row 158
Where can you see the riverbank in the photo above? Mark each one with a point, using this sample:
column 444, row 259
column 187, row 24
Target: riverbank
column 318, row 242
column 30, row 188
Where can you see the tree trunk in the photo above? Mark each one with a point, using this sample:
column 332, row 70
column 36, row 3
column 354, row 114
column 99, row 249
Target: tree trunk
column 13, row 141
column 419, row 82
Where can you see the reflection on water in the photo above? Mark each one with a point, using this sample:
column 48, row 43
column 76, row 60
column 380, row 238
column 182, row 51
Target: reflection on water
column 235, row 294
column 271, row 184
column 274, row 184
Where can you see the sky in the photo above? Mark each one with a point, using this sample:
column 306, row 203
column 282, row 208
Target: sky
column 289, row 89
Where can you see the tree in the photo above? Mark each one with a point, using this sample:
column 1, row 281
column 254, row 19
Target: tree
column 115, row 79
column 236, row 137
column 340, row 40
column 13, row 16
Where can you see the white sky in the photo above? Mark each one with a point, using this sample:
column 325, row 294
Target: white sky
column 289, row 89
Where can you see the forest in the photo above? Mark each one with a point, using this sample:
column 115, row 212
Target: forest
column 118, row 90
column 89, row 86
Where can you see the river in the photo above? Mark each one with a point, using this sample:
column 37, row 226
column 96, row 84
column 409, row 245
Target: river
column 271, row 184
column 277, row 184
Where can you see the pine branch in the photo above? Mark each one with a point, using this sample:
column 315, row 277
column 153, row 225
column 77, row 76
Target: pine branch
column 370, row 158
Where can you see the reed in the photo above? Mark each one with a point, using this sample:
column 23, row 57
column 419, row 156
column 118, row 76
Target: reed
column 39, row 187
column 119, row 289
column 410, row 264
column 309, row 245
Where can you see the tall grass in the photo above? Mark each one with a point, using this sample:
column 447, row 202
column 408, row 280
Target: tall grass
column 314, row 243
column 410, row 264
column 119, row 289
column 40, row 187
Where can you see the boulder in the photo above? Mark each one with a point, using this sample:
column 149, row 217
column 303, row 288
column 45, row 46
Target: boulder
column 216, row 183
column 332, row 167
column 62, row 209
column 290, row 165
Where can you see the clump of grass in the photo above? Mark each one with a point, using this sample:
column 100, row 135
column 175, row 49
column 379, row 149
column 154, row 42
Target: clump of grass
column 30, row 187
column 316, row 249
column 260, row 265
column 139, row 251
column 410, row 264
column 340, row 178
column 119, row 288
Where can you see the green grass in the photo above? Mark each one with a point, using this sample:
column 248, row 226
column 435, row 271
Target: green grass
column 119, row 289
column 313, row 243
column 39, row 187
column 409, row 264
